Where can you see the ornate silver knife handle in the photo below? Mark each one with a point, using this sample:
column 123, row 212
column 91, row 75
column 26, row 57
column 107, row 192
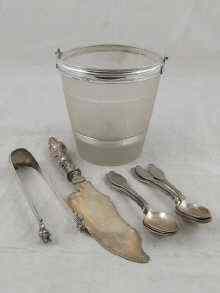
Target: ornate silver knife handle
column 59, row 152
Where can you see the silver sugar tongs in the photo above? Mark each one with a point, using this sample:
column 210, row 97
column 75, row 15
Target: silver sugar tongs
column 23, row 158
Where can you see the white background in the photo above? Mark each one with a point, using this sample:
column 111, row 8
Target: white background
column 183, row 139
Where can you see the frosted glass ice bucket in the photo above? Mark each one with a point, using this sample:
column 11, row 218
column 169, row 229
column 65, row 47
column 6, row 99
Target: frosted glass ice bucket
column 109, row 92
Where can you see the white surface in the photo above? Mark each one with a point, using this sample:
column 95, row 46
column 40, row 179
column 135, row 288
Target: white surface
column 183, row 139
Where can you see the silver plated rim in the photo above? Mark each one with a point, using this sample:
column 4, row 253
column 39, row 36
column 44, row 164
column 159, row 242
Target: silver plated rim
column 105, row 74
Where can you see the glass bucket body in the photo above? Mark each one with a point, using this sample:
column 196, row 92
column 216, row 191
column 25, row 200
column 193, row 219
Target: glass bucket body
column 110, row 116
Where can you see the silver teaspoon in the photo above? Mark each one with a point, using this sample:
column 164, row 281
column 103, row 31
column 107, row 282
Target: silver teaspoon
column 159, row 223
column 189, row 211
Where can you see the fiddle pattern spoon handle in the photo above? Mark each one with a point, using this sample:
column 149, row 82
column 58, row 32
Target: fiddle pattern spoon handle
column 119, row 183
column 146, row 177
column 160, row 175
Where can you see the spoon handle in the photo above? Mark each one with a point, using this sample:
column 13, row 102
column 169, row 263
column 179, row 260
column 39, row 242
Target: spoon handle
column 126, row 189
column 137, row 198
column 166, row 189
column 174, row 189
column 159, row 175
column 157, row 184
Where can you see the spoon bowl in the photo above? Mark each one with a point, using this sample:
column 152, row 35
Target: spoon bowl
column 193, row 212
column 160, row 222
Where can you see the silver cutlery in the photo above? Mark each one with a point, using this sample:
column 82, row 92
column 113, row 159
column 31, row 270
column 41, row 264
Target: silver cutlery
column 21, row 158
column 155, row 177
column 159, row 223
column 96, row 213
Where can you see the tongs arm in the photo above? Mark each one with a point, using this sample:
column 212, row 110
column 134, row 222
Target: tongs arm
column 23, row 158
